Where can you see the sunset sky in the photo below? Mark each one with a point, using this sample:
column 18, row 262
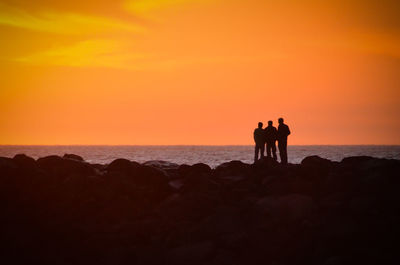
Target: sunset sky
column 198, row 71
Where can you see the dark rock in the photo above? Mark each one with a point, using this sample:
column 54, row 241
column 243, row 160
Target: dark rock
column 266, row 162
column 176, row 184
column 364, row 205
column 224, row 257
column 292, row 207
column 318, row 212
column 196, row 169
column 150, row 176
column 233, row 168
column 195, row 178
column 199, row 183
column 8, row 168
column 169, row 169
column 28, row 170
column 122, row 165
column 224, row 220
column 60, row 167
column 356, row 160
column 336, row 261
column 138, row 175
column 165, row 165
column 190, row 254
column 373, row 176
column 334, row 201
column 200, row 167
column 338, row 227
column 99, row 169
column 184, row 169
column 73, row 157
column 7, row 163
column 24, row 161
column 317, row 163
column 235, row 179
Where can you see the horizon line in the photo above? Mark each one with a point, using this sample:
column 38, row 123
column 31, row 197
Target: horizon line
column 193, row 145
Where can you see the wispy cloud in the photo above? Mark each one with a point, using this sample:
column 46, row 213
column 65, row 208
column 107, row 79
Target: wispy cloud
column 119, row 55
column 63, row 22
column 146, row 8
column 90, row 53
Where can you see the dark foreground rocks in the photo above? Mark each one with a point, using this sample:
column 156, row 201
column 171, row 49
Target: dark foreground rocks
column 62, row 210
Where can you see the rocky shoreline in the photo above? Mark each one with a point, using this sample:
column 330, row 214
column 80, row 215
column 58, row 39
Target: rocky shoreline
column 62, row 210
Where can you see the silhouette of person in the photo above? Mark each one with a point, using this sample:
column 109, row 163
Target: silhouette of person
column 259, row 139
column 283, row 133
column 271, row 135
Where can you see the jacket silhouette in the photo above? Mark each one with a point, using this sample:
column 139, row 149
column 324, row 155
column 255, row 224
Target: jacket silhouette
column 271, row 135
column 283, row 133
column 259, row 139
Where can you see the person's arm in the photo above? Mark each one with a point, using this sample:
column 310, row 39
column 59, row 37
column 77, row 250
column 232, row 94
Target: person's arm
column 288, row 131
column 254, row 135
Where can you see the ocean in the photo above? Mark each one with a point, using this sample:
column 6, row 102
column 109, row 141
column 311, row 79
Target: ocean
column 185, row 154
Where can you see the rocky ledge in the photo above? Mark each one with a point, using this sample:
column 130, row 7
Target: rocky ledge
column 62, row 210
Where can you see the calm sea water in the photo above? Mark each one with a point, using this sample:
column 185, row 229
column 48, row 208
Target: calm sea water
column 211, row 155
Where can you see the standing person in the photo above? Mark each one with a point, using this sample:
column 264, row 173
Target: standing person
column 259, row 139
column 271, row 135
column 283, row 133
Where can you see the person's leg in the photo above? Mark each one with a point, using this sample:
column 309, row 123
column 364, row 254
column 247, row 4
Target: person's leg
column 273, row 147
column 262, row 150
column 256, row 152
column 268, row 149
column 284, row 149
column 280, row 150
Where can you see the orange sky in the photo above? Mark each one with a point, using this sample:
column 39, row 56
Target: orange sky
column 198, row 71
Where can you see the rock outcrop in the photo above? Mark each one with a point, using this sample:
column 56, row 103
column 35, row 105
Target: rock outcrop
column 63, row 210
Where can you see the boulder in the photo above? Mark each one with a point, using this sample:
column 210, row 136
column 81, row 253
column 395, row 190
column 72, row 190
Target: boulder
column 160, row 164
column 122, row 165
column 25, row 162
column 292, row 207
column 199, row 183
column 73, row 157
column 196, row 177
column 201, row 168
column 266, row 162
column 373, row 175
column 150, row 176
column 59, row 167
column 368, row 206
column 196, row 169
column 137, row 174
column 232, row 168
column 336, row 260
column 316, row 163
column 176, row 184
column 267, row 166
column 315, row 169
column 355, row 160
column 224, row 257
column 190, row 254
column 7, row 163
column 382, row 165
column 224, row 220
column 8, row 167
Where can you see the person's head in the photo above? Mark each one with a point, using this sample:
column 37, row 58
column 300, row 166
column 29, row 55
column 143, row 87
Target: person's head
column 260, row 125
column 280, row 120
column 269, row 123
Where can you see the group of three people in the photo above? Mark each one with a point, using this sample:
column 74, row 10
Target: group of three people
column 268, row 137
